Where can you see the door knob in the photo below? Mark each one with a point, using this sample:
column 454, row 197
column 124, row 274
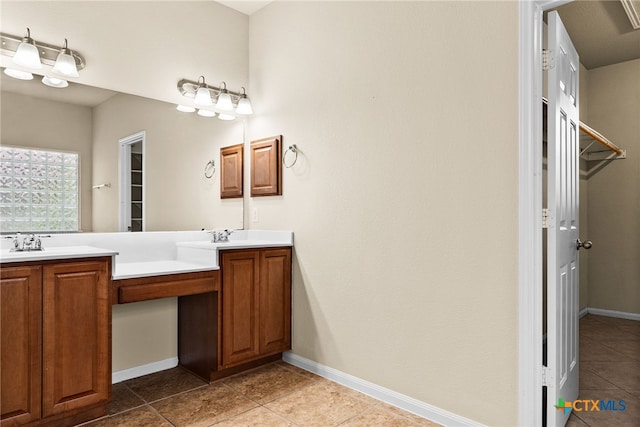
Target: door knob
column 587, row 244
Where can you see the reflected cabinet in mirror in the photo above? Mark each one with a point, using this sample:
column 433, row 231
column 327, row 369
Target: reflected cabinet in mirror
column 169, row 185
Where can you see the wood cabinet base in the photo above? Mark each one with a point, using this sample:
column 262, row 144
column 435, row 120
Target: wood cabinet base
column 71, row 418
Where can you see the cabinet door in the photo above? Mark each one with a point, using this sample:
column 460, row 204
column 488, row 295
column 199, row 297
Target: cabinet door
column 231, row 171
column 275, row 301
column 20, row 344
column 76, row 335
column 239, row 307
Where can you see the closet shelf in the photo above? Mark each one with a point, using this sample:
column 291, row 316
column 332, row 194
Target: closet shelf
column 592, row 136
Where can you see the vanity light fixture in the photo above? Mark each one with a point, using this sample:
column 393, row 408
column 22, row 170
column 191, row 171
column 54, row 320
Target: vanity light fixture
column 185, row 108
column 203, row 95
column 65, row 63
column 244, row 105
column 224, row 99
column 27, row 53
column 17, row 74
column 55, row 82
column 220, row 100
column 32, row 55
column 206, row 113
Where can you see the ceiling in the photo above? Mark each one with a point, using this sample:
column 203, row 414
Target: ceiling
column 76, row 93
column 247, row 7
column 601, row 31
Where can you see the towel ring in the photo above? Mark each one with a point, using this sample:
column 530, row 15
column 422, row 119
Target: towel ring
column 210, row 169
column 294, row 150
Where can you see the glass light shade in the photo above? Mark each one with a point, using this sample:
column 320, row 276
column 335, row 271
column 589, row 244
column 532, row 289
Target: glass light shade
column 223, row 116
column 203, row 97
column 66, row 64
column 224, row 101
column 206, row 113
column 17, row 74
column 27, row 55
column 244, row 106
column 185, row 108
column 54, row 82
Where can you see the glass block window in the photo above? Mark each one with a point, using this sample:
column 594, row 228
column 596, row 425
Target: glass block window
column 38, row 190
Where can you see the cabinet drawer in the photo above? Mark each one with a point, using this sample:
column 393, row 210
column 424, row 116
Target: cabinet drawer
column 175, row 285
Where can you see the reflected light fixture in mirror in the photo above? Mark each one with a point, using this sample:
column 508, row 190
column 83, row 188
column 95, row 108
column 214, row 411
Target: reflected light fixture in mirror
column 227, row 104
column 30, row 54
column 54, row 82
column 185, row 108
column 17, row 74
column 206, row 113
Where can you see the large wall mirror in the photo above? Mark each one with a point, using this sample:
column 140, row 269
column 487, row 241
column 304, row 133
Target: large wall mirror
column 91, row 122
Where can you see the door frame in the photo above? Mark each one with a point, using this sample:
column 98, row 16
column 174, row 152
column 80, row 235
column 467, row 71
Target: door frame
column 530, row 210
column 124, row 174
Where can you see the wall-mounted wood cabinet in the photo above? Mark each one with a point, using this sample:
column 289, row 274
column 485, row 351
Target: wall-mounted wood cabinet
column 256, row 304
column 56, row 341
column 266, row 166
column 231, row 171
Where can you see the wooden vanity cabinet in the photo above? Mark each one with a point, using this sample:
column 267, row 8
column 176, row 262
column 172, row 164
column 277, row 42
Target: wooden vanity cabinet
column 56, row 341
column 20, row 344
column 256, row 304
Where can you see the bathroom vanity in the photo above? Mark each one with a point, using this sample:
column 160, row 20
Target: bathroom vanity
column 56, row 338
column 234, row 313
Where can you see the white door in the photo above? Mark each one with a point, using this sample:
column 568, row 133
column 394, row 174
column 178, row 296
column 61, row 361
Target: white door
column 562, row 250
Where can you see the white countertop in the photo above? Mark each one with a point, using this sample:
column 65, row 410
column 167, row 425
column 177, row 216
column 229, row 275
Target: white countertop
column 232, row 244
column 52, row 253
column 128, row 270
column 150, row 253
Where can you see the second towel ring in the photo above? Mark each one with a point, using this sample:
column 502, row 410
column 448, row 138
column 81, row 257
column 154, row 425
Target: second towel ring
column 294, row 150
column 210, row 169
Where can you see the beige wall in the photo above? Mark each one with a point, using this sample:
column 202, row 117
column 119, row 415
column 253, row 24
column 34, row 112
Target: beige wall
column 404, row 200
column 614, row 190
column 140, row 47
column 177, row 149
column 37, row 123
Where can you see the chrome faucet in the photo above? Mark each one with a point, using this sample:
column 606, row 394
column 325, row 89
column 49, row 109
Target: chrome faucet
column 220, row 236
column 30, row 242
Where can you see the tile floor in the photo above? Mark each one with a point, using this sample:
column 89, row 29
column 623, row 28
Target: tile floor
column 609, row 369
column 280, row 394
column 277, row 394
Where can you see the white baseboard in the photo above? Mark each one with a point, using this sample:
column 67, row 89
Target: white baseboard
column 583, row 312
column 147, row 369
column 386, row 395
column 613, row 313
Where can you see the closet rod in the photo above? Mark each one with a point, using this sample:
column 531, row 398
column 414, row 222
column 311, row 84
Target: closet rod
column 594, row 134
column 600, row 138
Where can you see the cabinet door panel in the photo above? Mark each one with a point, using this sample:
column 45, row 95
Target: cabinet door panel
column 240, row 305
column 275, row 301
column 20, row 345
column 76, row 336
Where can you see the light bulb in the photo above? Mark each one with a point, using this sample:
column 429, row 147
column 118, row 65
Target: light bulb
column 223, row 116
